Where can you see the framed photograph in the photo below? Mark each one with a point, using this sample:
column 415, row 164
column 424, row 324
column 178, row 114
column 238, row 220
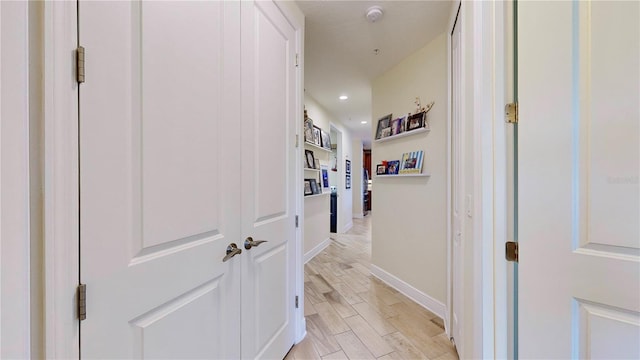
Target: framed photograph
column 311, row 160
column 381, row 169
column 384, row 123
column 393, row 166
column 397, row 125
column 347, row 167
column 324, row 176
column 308, row 130
column 416, row 121
column 347, row 181
column 307, row 187
column 317, row 138
column 314, row 186
column 326, row 139
column 411, row 163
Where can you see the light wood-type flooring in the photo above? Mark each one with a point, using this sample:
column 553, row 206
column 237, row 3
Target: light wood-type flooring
column 352, row 315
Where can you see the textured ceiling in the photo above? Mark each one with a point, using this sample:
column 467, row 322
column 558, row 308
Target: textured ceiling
column 339, row 50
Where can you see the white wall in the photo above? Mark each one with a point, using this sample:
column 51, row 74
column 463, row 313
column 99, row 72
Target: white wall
column 316, row 218
column 409, row 219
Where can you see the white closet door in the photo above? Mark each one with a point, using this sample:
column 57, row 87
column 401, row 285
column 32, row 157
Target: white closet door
column 579, row 161
column 268, row 167
column 160, row 179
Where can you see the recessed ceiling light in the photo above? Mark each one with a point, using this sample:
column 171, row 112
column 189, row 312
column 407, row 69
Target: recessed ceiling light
column 343, row 97
column 363, row 122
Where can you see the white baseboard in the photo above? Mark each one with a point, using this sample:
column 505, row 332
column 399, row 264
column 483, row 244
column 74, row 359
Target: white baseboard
column 347, row 227
column 409, row 291
column 357, row 215
column 316, row 250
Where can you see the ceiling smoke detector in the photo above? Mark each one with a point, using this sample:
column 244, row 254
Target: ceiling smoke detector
column 374, row 14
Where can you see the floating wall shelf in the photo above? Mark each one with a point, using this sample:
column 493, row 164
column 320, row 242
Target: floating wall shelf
column 403, row 134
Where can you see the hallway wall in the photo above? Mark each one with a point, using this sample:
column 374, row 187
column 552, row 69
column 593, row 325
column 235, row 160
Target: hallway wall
column 409, row 220
column 316, row 216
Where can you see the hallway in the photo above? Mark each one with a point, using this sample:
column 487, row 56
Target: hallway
column 352, row 315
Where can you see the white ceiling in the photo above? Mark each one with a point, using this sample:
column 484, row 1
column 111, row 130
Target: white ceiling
column 339, row 50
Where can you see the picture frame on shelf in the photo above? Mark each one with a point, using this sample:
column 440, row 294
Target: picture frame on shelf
column 314, row 187
column 381, row 169
column 411, row 163
column 307, row 187
column 393, row 167
column 326, row 140
column 397, row 125
column 416, row 121
column 310, row 159
column 347, row 166
column 347, row 181
column 317, row 138
column 384, row 127
column 324, row 176
column 308, row 130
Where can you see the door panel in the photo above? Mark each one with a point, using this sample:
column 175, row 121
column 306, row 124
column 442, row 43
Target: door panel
column 268, row 169
column 579, row 197
column 157, row 211
column 189, row 183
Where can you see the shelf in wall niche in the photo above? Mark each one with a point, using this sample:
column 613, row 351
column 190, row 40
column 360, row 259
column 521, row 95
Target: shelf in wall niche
column 317, row 195
column 402, row 175
column 310, row 169
column 404, row 134
column 306, row 143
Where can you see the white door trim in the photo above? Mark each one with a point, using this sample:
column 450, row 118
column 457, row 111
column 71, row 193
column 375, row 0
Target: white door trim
column 449, row 300
column 15, row 317
column 483, row 49
column 61, row 221
column 296, row 19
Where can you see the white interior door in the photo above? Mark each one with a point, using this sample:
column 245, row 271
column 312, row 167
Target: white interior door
column 457, row 191
column 268, row 179
column 160, row 179
column 579, row 269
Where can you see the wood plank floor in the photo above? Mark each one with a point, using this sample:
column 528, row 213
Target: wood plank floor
column 352, row 315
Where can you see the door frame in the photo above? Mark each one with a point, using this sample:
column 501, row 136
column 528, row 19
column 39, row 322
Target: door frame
column 15, row 288
column 483, row 74
column 61, row 179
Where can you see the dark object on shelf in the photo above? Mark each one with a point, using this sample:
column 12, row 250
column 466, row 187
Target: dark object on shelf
column 393, row 166
column 311, row 160
column 314, row 187
column 333, row 226
column 416, row 121
column 307, row 187
column 384, row 127
column 308, row 130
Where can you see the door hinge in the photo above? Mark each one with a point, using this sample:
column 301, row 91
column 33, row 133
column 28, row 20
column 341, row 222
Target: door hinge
column 511, row 251
column 297, row 140
column 80, row 64
column 82, row 301
column 296, row 220
column 297, row 305
column 297, row 60
column 511, row 113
